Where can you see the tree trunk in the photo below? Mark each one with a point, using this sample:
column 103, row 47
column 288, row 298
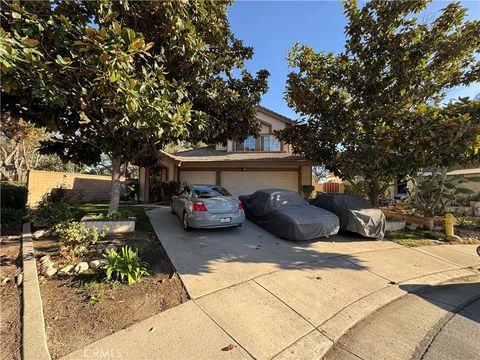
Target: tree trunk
column 115, row 193
column 373, row 192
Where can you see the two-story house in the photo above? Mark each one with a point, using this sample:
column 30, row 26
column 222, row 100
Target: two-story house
column 241, row 167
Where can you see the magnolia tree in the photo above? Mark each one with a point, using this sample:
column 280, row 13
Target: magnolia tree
column 126, row 78
column 374, row 111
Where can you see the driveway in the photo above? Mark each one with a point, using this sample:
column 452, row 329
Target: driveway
column 257, row 296
column 213, row 259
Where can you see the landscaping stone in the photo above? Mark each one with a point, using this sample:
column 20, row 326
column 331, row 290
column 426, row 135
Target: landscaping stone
column 49, row 272
column 44, row 258
column 46, row 265
column 101, row 248
column 453, row 238
column 95, row 264
column 412, row 227
column 19, row 279
column 111, row 246
column 65, row 270
column 39, row 233
column 54, row 233
column 81, row 267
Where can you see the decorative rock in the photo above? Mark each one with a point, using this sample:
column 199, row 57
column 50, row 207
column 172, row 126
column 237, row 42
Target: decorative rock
column 44, row 258
column 65, row 270
column 453, row 238
column 111, row 246
column 50, row 272
column 46, row 265
column 95, row 264
column 19, row 279
column 101, row 248
column 54, row 233
column 39, row 233
column 81, row 267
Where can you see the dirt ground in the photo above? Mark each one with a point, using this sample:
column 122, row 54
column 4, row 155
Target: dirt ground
column 82, row 309
column 10, row 298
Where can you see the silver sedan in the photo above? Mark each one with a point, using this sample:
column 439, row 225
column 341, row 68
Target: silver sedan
column 207, row 206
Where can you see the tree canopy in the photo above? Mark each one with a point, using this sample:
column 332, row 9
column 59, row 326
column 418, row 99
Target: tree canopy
column 125, row 78
column 376, row 110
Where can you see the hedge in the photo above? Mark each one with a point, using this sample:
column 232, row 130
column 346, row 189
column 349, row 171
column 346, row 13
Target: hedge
column 14, row 195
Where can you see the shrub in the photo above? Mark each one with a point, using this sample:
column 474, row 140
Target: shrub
column 124, row 266
column 117, row 215
column 75, row 234
column 432, row 194
column 130, row 192
column 308, row 191
column 169, row 189
column 51, row 210
column 14, row 195
column 13, row 216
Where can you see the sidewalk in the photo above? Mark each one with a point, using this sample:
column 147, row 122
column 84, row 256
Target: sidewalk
column 283, row 306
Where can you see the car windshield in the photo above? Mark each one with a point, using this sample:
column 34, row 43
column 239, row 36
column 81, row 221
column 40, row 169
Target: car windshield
column 205, row 192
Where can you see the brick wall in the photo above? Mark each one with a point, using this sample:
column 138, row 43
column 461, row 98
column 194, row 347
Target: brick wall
column 78, row 187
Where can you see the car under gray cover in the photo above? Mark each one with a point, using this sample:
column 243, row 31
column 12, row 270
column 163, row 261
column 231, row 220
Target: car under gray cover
column 355, row 214
column 286, row 214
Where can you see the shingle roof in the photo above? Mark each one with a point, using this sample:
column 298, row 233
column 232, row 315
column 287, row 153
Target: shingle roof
column 210, row 154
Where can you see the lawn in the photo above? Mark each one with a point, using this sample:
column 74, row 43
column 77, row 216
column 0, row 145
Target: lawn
column 142, row 223
column 413, row 238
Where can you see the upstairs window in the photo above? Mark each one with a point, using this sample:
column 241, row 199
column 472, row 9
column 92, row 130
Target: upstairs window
column 247, row 145
column 269, row 143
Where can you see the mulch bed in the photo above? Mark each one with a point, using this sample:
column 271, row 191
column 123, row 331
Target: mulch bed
column 81, row 309
column 10, row 297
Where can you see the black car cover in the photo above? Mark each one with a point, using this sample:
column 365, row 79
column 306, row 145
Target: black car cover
column 355, row 214
column 286, row 214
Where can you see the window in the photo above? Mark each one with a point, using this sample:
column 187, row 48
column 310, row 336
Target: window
column 205, row 192
column 247, row 145
column 269, row 143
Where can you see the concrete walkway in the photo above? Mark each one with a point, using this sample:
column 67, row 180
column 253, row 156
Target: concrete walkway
column 257, row 296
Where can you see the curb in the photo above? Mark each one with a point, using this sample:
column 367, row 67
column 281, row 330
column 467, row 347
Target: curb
column 317, row 343
column 34, row 339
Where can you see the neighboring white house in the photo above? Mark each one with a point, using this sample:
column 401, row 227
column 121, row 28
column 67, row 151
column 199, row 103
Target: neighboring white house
column 241, row 167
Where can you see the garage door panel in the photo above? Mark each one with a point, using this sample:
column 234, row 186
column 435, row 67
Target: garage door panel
column 198, row 177
column 247, row 182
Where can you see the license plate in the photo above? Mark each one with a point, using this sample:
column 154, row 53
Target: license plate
column 225, row 220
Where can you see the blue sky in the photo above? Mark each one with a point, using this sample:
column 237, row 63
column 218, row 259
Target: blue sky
column 273, row 27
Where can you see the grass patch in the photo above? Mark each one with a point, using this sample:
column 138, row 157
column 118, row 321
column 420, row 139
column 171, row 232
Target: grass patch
column 413, row 238
column 142, row 223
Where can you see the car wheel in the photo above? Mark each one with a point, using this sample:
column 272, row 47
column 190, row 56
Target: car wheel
column 239, row 225
column 186, row 227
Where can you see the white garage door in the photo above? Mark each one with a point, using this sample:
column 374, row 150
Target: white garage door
column 198, row 177
column 247, row 182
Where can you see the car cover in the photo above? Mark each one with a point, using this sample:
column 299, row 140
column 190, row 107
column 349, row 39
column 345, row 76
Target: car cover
column 355, row 214
column 286, row 214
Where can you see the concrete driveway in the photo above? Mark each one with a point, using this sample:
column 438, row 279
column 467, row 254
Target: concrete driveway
column 213, row 259
column 258, row 296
